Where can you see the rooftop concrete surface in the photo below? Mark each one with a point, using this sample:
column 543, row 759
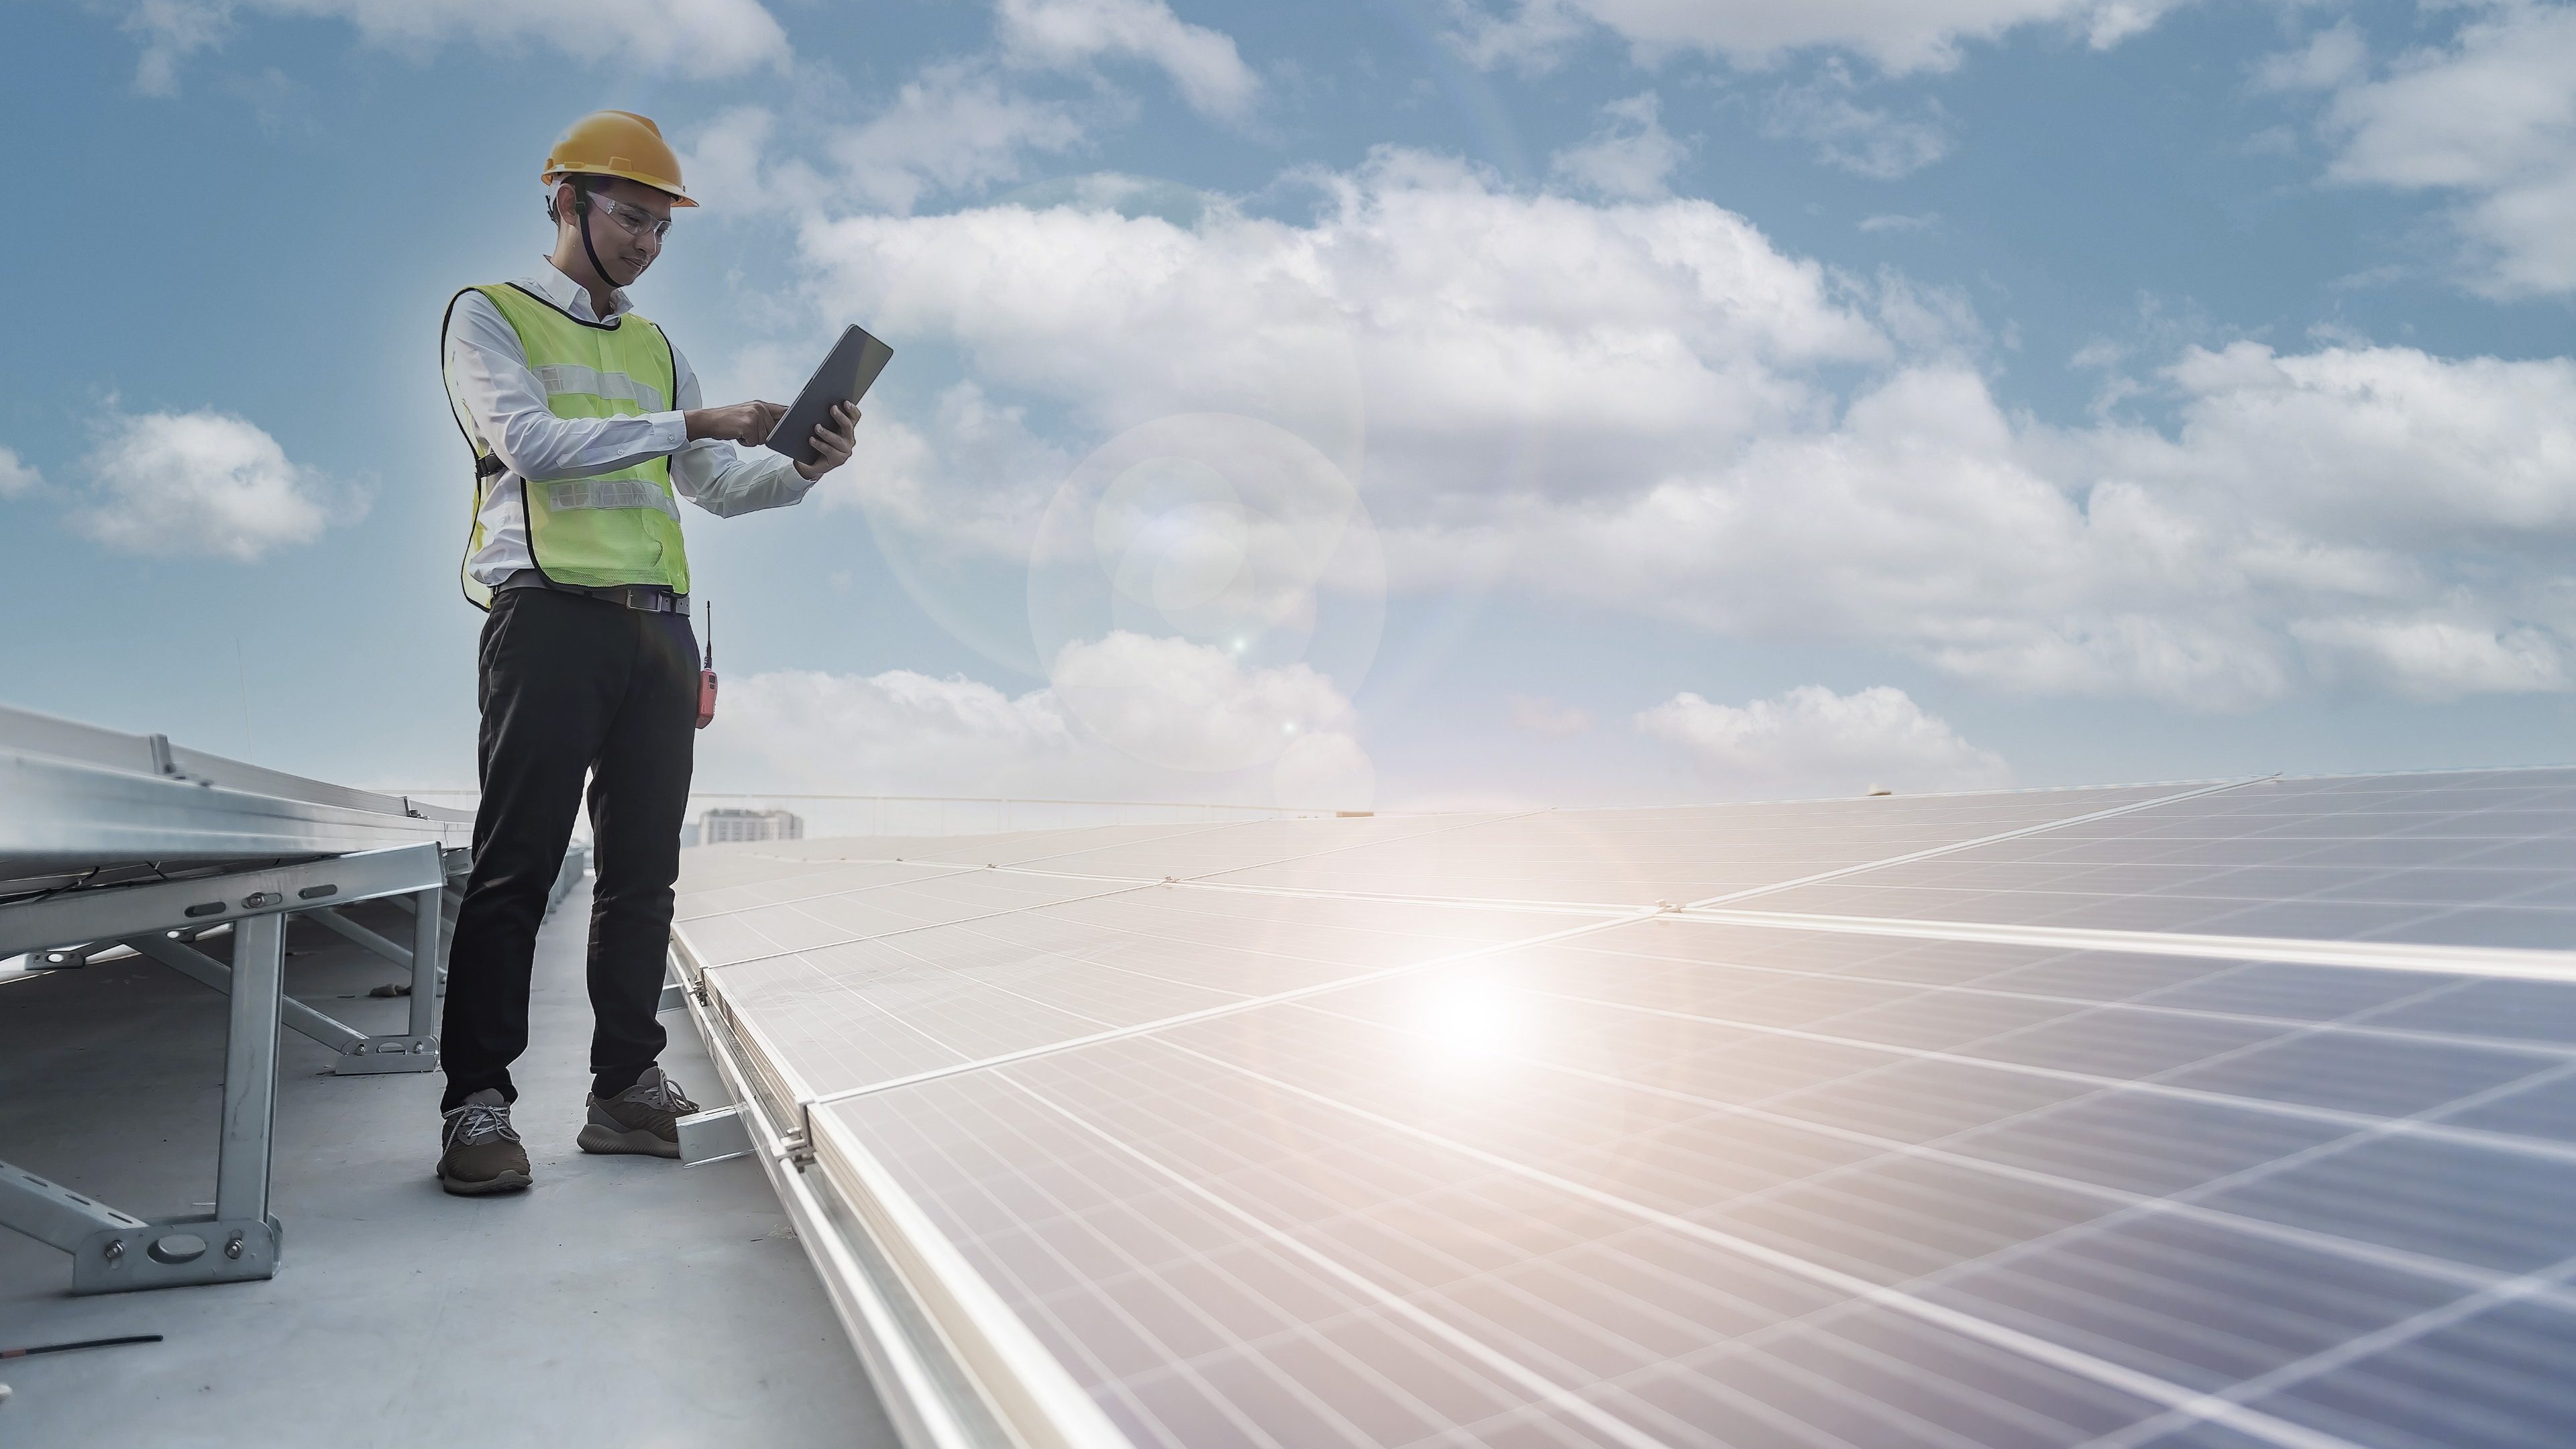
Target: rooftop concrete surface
column 622, row 1300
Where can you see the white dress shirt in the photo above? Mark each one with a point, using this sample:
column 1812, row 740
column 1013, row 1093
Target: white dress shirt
column 502, row 406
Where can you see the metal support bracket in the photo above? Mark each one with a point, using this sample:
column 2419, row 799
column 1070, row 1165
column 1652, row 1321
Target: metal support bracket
column 360, row 1054
column 54, row 1214
column 66, row 958
column 118, row 913
column 343, row 926
column 178, row 1252
column 208, row 972
column 713, row 1136
column 377, row 1054
column 241, row 1239
column 674, row 996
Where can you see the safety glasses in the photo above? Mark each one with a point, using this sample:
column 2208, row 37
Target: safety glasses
column 634, row 219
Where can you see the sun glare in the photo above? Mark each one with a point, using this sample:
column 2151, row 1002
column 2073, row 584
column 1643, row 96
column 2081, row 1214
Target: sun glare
column 1473, row 1022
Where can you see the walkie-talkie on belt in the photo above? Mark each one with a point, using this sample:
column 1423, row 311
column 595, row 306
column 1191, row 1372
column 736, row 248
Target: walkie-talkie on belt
column 707, row 673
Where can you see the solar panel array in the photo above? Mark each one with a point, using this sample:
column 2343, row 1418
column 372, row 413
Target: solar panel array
column 2219, row 1115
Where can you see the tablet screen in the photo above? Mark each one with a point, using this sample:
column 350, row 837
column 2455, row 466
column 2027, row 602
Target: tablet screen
column 854, row 363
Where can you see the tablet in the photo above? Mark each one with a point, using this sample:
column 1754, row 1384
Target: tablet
column 844, row 376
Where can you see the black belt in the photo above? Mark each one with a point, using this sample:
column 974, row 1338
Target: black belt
column 650, row 598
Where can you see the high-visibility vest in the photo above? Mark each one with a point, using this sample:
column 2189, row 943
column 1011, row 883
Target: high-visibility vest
column 600, row 529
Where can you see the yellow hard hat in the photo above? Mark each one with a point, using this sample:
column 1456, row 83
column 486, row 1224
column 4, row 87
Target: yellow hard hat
column 617, row 143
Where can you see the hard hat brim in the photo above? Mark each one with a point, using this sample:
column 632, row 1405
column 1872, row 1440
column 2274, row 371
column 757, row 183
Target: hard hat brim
column 668, row 188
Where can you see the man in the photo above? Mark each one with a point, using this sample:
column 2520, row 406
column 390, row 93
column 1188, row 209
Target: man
column 587, row 427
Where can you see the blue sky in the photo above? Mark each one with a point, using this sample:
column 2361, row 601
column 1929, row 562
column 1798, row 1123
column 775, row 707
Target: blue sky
column 1407, row 401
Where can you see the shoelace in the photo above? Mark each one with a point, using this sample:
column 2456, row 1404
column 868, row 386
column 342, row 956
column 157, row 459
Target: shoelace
column 476, row 1123
column 666, row 1096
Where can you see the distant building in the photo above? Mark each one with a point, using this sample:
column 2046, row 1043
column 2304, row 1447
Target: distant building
column 725, row 827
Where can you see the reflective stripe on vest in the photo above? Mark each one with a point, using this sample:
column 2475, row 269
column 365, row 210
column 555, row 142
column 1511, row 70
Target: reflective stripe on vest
column 569, row 493
column 572, row 377
column 617, row 527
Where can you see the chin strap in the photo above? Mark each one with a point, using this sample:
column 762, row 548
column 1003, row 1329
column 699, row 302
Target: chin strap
column 581, row 209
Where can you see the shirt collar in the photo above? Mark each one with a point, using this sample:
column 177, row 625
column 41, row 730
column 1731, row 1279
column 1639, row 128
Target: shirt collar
column 572, row 296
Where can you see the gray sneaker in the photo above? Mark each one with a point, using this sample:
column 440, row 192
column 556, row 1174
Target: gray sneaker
column 482, row 1153
column 643, row 1118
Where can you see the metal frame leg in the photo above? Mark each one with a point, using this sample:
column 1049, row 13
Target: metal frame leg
column 427, row 931
column 417, row 1049
column 250, row 1068
column 114, row 1251
column 241, row 1240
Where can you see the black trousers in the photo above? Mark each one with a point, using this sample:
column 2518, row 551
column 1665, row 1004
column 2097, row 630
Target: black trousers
column 572, row 686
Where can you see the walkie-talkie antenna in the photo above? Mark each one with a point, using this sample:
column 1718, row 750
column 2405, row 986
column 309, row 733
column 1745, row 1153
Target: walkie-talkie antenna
column 707, row 673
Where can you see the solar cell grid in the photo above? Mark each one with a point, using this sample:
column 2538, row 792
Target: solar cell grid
column 1257, row 843
column 813, row 922
column 1640, row 857
column 1007, row 848
column 728, row 886
column 1818, row 1222
column 847, row 1016
column 1289, row 1167
column 2474, row 859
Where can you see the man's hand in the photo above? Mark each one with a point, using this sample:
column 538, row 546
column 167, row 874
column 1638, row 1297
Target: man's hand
column 746, row 423
column 832, row 441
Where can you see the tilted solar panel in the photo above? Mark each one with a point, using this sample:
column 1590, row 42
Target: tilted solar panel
column 2480, row 858
column 2102, row 1146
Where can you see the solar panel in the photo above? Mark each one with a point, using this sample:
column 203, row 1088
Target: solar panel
column 83, row 807
column 1639, row 857
column 2476, row 858
column 1441, row 1131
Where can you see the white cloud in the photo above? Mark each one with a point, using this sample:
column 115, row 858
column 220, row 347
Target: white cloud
column 1897, row 35
column 2489, row 119
column 1063, row 34
column 17, row 476
column 1190, row 706
column 170, row 31
column 693, row 37
column 1812, row 739
column 2332, row 57
column 966, row 125
column 2221, row 565
column 954, row 127
column 1128, row 718
column 1648, row 407
column 1864, row 141
column 1469, row 317
column 2434, row 659
column 1631, row 158
column 202, row 483
column 914, row 472
column 732, row 166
